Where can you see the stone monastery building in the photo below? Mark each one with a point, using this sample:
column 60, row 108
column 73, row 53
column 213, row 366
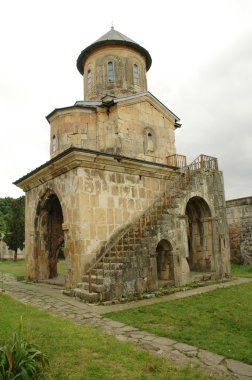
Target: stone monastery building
column 131, row 214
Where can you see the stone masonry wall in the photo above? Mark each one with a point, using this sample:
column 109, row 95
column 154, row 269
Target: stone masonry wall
column 123, row 59
column 167, row 229
column 114, row 130
column 239, row 216
column 95, row 203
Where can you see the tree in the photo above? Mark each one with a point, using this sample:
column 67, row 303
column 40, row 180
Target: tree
column 5, row 210
column 2, row 224
column 15, row 235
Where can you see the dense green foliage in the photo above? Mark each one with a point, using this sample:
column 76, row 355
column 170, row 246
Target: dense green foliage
column 217, row 321
column 20, row 359
column 5, row 210
column 12, row 222
column 78, row 352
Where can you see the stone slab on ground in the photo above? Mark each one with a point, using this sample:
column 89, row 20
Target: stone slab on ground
column 240, row 368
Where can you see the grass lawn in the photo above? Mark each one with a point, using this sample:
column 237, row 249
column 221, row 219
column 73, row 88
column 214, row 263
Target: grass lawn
column 241, row 270
column 218, row 321
column 81, row 353
column 17, row 268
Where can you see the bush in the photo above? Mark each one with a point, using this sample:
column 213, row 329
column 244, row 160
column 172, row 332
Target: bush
column 21, row 360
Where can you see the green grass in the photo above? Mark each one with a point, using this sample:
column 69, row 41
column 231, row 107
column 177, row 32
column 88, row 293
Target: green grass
column 241, row 270
column 218, row 321
column 80, row 352
column 17, row 268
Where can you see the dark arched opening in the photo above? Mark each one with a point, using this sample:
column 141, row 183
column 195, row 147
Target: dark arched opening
column 165, row 264
column 49, row 237
column 199, row 234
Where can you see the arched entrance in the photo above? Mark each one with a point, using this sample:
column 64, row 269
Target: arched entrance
column 200, row 235
column 165, row 264
column 49, row 237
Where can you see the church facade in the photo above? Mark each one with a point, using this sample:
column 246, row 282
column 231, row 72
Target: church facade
column 128, row 213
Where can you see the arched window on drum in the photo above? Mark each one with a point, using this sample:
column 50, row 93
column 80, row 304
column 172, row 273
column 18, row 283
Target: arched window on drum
column 135, row 74
column 89, row 80
column 111, row 74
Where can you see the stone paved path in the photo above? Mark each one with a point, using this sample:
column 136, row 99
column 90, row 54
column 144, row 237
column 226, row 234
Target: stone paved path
column 50, row 299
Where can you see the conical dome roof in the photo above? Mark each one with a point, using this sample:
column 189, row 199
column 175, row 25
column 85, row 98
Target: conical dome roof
column 116, row 38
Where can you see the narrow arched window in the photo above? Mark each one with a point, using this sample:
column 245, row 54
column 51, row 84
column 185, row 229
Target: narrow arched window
column 53, row 144
column 89, row 80
column 150, row 142
column 135, row 74
column 111, row 74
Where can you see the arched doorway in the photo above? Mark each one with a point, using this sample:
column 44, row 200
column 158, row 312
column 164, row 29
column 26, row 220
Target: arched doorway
column 165, row 264
column 199, row 234
column 49, row 237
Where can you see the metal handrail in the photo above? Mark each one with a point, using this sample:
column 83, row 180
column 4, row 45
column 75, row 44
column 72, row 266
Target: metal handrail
column 176, row 160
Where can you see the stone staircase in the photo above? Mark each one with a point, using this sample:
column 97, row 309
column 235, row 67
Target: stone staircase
column 107, row 277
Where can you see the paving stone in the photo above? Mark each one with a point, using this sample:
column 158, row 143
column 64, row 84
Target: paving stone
column 191, row 354
column 210, row 358
column 218, row 371
column 176, row 357
column 113, row 324
column 147, row 345
column 87, row 316
column 185, row 347
column 148, row 337
column 60, row 314
column 78, row 317
column 46, row 307
column 165, row 348
column 137, row 335
column 128, row 328
column 164, row 341
column 239, row 368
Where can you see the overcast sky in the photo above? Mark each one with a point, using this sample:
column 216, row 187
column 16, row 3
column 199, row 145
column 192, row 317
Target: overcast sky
column 202, row 70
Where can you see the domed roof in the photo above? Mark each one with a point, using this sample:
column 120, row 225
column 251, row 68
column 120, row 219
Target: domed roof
column 113, row 37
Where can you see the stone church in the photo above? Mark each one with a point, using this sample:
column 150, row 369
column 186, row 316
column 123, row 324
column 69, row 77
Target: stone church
column 127, row 212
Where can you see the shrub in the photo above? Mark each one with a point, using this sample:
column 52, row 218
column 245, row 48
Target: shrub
column 20, row 359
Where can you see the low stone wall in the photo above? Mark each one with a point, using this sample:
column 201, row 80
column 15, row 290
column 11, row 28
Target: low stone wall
column 239, row 218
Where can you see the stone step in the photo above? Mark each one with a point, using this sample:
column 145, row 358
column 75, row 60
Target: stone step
column 126, row 246
column 129, row 240
column 106, row 272
column 99, row 280
column 121, row 255
column 114, row 259
column 109, row 266
column 120, row 252
column 96, row 288
column 82, row 294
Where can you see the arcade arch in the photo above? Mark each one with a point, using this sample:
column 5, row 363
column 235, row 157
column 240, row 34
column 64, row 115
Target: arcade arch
column 49, row 240
column 199, row 234
column 165, row 264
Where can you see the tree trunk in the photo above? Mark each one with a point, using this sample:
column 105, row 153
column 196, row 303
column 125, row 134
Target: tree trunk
column 15, row 255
